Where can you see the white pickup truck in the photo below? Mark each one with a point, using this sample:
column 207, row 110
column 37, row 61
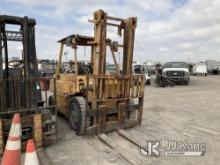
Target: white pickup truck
column 176, row 72
column 142, row 69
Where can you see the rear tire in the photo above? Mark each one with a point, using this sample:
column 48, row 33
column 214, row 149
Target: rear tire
column 77, row 110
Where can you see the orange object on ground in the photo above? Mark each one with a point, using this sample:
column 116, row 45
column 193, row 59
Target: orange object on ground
column 31, row 155
column 12, row 153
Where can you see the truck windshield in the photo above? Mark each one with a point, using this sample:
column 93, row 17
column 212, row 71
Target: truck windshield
column 140, row 69
column 175, row 65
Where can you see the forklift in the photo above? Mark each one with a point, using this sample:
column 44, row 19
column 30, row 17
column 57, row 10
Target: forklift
column 20, row 85
column 95, row 102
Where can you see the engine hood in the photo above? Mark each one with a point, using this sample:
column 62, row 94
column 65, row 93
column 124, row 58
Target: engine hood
column 176, row 69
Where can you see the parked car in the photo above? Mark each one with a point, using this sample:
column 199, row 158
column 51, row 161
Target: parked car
column 176, row 72
column 142, row 69
column 200, row 69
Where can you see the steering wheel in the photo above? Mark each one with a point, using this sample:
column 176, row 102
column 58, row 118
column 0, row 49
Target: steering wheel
column 16, row 64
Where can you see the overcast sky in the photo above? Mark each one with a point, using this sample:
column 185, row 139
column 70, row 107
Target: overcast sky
column 168, row 30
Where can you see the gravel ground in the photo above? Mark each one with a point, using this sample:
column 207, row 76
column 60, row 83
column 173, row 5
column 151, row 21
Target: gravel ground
column 181, row 113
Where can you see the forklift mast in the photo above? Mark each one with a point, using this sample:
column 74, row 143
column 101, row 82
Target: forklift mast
column 26, row 35
column 129, row 35
column 99, row 50
column 101, row 20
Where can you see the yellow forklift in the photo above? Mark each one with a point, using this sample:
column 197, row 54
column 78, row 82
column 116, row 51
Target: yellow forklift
column 93, row 101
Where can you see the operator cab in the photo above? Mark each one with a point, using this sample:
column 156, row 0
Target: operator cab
column 75, row 66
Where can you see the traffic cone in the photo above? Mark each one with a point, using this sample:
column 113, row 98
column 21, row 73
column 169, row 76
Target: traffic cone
column 12, row 153
column 31, row 155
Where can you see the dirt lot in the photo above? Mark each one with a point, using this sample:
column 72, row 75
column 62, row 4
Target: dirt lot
column 184, row 113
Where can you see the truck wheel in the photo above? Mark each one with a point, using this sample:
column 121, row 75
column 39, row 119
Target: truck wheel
column 77, row 110
column 147, row 82
column 187, row 82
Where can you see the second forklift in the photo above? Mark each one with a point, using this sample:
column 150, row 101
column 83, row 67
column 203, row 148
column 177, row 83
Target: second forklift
column 93, row 101
column 20, row 90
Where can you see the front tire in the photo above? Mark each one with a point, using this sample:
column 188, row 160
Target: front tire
column 77, row 110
